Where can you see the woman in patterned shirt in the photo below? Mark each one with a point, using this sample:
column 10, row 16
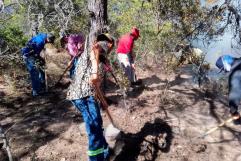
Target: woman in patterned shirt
column 81, row 94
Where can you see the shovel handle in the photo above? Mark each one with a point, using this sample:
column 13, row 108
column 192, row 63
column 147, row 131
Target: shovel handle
column 217, row 127
column 104, row 103
column 66, row 69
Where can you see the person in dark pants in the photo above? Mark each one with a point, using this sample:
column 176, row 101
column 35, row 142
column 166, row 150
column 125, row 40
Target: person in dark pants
column 31, row 55
column 232, row 65
column 81, row 94
column 125, row 54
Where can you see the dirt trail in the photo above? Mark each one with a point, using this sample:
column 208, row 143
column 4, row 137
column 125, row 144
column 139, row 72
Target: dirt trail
column 162, row 122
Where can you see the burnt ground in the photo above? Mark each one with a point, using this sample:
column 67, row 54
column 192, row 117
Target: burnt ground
column 162, row 121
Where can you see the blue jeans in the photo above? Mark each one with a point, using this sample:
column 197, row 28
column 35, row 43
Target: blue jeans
column 72, row 69
column 89, row 108
column 37, row 76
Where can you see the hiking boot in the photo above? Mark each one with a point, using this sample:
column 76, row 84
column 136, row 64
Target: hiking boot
column 130, row 89
column 108, row 153
column 236, row 118
column 235, row 115
column 237, row 122
column 35, row 94
column 39, row 93
column 137, row 83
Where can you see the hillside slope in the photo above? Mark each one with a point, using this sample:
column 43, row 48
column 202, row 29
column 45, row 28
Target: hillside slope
column 162, row 121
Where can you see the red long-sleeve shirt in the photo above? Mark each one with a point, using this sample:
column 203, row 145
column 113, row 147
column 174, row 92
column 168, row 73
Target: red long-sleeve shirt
column 125, row 44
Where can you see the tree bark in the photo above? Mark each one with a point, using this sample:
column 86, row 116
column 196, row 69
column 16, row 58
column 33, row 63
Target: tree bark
column 1, row 5
column 98, row 18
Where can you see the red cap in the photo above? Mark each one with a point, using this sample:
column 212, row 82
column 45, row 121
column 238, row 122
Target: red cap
column 135, row 32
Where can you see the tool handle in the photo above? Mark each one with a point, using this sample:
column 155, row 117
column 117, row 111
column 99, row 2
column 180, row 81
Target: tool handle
column 217, row 127
column 116, row 81
column 66, row 69
column 46, row 74
column 104, row 104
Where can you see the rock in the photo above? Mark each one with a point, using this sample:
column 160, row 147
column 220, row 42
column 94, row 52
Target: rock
column 62, row 159
column 82, row 128
column 200, row 148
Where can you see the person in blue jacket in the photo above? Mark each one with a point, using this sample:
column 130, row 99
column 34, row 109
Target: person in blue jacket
column 31, row 55
column 232, row 65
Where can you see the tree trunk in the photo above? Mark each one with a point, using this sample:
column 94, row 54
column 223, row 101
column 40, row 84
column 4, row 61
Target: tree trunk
column 1, row 5
column 98, row 18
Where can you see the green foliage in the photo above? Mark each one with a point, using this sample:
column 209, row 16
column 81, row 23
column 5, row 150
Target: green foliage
column 163, row 23
column 13, row 36
column 19, row 19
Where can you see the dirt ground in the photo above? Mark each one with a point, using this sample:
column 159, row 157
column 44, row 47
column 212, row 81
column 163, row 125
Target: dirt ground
column 162, row 121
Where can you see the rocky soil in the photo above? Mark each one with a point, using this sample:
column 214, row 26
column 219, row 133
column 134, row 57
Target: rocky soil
column 163, row 120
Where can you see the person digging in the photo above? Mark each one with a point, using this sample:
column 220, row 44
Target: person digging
column 82, row 93
column 34, row 62
column 126, row 56
column 74, row 44
column 232, row 65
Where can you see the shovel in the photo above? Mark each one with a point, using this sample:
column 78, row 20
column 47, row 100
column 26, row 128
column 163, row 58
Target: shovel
column 112, row 131
column 216, row 128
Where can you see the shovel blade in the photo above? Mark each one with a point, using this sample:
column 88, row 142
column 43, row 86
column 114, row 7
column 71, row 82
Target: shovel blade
column 111, row 132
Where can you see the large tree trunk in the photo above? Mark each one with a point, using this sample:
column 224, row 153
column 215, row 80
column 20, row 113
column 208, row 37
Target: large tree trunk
column 98, row 18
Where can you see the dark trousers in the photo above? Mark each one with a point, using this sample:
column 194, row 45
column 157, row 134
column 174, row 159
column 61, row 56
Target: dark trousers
column 234, row 91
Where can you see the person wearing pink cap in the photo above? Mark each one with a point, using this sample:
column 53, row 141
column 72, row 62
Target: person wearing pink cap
column 74, row 44
column 126, row 56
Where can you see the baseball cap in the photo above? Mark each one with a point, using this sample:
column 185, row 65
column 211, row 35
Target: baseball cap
column 224, row 63
column 135, row 31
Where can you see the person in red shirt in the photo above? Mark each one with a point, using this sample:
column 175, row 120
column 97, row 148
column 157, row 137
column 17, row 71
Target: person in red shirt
column 125, row 54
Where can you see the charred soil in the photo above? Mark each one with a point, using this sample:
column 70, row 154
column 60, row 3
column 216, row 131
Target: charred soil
column 162, row 120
